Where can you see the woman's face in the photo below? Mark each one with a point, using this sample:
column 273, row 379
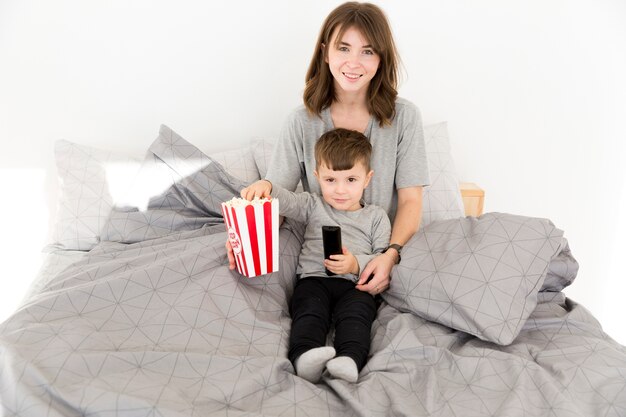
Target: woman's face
column 352, row 61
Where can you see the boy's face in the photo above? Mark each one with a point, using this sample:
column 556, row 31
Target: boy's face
column 343, row 190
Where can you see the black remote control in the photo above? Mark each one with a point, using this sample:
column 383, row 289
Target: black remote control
column 331, row 236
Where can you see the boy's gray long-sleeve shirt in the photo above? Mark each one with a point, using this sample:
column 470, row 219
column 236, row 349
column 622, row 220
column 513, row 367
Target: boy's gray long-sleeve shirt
column 365, row 232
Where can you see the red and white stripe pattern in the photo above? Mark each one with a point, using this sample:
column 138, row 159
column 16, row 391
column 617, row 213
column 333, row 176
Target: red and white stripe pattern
column 252, row 228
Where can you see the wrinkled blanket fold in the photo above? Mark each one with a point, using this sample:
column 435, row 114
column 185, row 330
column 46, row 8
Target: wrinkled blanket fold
column 163, row 327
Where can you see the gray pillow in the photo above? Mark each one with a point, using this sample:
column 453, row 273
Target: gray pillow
column 90, row 180
column 442, row 198
column 178, row 188
column 478, row 275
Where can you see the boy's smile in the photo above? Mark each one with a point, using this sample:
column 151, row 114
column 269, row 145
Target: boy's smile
column 343, row 190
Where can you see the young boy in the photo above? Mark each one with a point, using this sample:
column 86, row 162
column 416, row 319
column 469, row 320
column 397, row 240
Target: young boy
column 343, row 171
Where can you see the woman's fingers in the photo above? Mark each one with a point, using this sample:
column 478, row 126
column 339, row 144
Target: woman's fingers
column 378, row 288
column 231, row 256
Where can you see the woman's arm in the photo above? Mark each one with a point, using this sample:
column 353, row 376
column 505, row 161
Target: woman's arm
column 408, row 215
column 406, row 223
column 284, row 169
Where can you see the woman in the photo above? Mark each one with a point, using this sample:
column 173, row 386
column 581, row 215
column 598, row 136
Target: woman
column 352, row 83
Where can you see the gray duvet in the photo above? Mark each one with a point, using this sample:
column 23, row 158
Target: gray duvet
column 164, row 328
column 474, row 324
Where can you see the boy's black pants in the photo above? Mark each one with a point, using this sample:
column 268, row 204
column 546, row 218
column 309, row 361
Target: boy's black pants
column 319, row 301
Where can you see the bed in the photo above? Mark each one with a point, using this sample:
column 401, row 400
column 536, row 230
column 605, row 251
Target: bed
column 135, row 312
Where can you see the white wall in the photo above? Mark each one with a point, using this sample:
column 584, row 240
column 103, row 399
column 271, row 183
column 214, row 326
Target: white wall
column 533, row 90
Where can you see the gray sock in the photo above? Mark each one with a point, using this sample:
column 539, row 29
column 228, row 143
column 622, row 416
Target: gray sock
column 311, row 363
column 343, row 367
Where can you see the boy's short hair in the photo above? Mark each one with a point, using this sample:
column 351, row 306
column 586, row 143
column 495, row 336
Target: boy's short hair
column 340, row 149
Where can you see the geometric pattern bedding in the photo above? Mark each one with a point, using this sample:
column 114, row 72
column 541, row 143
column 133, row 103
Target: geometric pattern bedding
column 177, row 188
column 91, row 181
column 163, row 328
column 480, row 275
column 85, row 192
column 159, row 326
column 442, row 198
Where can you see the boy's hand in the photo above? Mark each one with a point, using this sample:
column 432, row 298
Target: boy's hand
column 260, row 189
column 342, row 264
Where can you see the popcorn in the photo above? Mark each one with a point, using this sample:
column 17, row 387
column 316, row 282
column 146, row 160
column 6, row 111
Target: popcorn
column 252, row 228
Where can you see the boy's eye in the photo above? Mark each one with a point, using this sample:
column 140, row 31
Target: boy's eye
column 330, row 179
column 351, row 179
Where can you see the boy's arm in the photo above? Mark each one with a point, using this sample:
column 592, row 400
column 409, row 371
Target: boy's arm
column 293, row 205
column 381, row 231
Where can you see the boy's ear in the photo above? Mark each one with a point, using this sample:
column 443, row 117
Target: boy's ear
column 316, row 174
column 368, row 177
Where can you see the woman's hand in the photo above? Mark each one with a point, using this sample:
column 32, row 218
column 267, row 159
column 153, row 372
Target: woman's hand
column 260, row 189
column 379, row 269
column 406, row 223
column 342, row 264
column 231, row 256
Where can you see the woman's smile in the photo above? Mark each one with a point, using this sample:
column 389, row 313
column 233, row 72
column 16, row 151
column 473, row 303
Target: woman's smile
column 352, row 76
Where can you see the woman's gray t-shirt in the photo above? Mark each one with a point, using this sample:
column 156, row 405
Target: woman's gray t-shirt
column 398, row 157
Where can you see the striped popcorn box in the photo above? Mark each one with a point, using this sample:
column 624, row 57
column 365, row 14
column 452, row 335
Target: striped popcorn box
column 252, row 228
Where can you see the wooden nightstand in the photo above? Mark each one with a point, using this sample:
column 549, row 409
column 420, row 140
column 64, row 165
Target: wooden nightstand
column 473, row 198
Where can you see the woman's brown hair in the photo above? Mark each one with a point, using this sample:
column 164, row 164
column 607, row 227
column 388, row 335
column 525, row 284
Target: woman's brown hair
column 371, row 21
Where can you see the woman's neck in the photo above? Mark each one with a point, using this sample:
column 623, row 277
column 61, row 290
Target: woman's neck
column 350, row 102
column 349, row 110
column 353, row 116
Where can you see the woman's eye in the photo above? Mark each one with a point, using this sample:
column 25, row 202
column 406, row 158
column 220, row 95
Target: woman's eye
column 343, row 48
column 368, row 52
